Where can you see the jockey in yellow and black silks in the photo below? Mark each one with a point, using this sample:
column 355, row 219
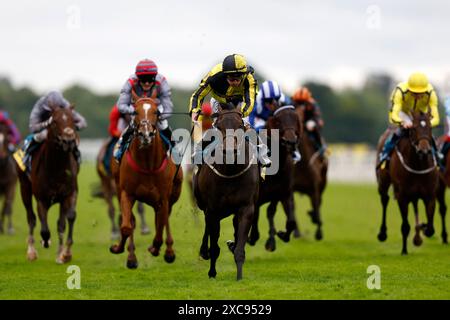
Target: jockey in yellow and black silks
column 417, row 94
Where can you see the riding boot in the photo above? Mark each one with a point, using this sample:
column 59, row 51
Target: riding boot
column 30, row 144
column 296, row 156
column 77, row 155
column 167, row 137
column 389, row 145
column 263, row 152
column 123, row 143
column 437, row 155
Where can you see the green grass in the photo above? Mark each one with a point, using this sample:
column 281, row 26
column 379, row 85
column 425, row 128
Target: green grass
column 334, row 268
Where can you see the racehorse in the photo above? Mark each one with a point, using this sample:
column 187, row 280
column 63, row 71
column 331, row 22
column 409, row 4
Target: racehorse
column 53, row 179
column 146, row 174
column 444, row 182
column 311, row 176
column 8, row 178
column 414, row 175
column 280, row 186
column 109, row 190
column 225, row 189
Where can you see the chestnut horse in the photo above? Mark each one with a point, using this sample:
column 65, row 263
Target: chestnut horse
column 109, row 190
column 146, row 173
column 54, row 171
column 280, row 186
column 225, row 189
column 8, row 178
column 414, row 175
column 311, row 176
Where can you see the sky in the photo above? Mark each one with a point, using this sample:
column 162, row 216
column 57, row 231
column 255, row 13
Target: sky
column 53, row 44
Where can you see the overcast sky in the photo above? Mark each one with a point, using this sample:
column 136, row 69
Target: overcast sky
column 52, row 44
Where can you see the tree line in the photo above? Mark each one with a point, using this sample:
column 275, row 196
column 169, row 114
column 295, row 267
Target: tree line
column 352, row 115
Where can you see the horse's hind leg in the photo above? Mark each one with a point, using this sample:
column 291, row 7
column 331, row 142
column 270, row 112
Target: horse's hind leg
column 417, row 240
column 9, row 200
column 315, row 198
column 45, row 232
column 108, row 191
column 245, row 220
column 254, row 232
column 132, row 262
column 70, row 213
column 442, row 209
column 403, row 205
column 430, row 205
column 291, row 224
column 61, row 226
column 144, row 227
column 126, row 227
column 232, row 243
column 270, row 243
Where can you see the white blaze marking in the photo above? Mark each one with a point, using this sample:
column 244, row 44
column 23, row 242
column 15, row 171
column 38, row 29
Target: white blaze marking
column 146, row 108
column 64, row 117
column 423, row 123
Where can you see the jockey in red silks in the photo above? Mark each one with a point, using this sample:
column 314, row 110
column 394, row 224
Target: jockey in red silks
column 14, row 134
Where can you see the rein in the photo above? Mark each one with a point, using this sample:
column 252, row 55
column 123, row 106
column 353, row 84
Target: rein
column 233, row 175
column 411, row 170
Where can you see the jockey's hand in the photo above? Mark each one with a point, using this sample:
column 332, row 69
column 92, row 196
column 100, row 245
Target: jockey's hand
column 407, row 124
column 195, row 116
column 310, row 125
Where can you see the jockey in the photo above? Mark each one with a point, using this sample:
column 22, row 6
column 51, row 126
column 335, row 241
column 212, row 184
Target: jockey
column 269, row 98
column 446, row 144
column 313, row 121
column 145, row 80
column 117, row 123
column 231, row 81
column 40, row 119
column 415, row 94
column 14, row 134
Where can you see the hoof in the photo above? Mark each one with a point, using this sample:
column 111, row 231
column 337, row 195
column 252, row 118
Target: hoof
column 153, row 251
column 404, row 253
column 270, row 244
column 417, row 241
column 212, row 274
column 319, row 235
column 116, row 249
column 253, row 239
column 132, row 264
column 382, row 237
column 429, row 232
column 444, row 240
column 46, row 244
column 283, row 236
column 145, row 230
column 297, row 233
column 204, row 254
column 231, row 245
column 31, row 256
column 169, row 258
column 62, row 259
column 313, row 217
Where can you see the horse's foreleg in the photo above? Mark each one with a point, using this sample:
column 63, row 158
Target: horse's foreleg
column 417, row 240
column 161, row 218
column 291, row 224
column 204, row 249
column 26, row 193
column 169, row 255
column 382, row 235
column 271, row 209
column 45, row 232
column 144, row 227
column 132, row 262
column 245, row 216
column 403, row 205
column 315, row 198
column 232, row 243
column 214, row 250
column 126, row 226
column 430, row 205
column 442, row 209
column 9, row 200
column 108, row 195
column 254, row 232
column 61, row 227
column 69, row 207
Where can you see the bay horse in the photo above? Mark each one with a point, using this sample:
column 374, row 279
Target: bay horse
column 53, row 179
column 8, row 178
column 146, row 174
column 109, row 191
column 311, row 176
column 414, row 175
column 444, row 182
column 280, row 186
column 224, row 189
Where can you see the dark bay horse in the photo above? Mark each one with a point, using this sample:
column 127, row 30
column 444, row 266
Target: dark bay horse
column 444, row 182
column 225, row 189
column 280, row 186
column 54, row 172
column 8, row 179
column 311, row 176
column 109, row 191
column 414, row 175
column 146, row 174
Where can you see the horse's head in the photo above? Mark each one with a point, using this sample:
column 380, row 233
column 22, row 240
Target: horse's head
column 229, row 119
column 145, row 120
column 4, row 141
column 287, row 121
column 420, row 134
column 62, row 129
